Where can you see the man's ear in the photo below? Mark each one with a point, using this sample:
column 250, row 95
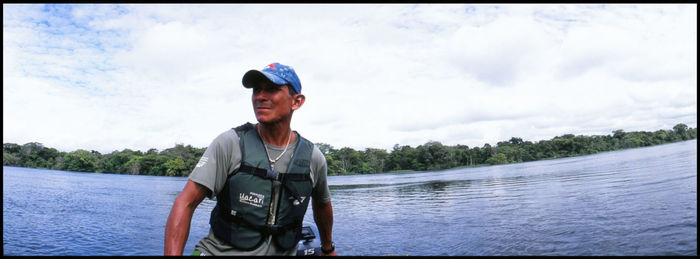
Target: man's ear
column 298, row 101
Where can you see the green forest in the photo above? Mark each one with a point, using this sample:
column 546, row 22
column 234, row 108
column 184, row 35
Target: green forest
column 433, row 155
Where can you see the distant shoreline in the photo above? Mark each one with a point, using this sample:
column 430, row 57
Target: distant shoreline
column 401, row 171
column 432, row 156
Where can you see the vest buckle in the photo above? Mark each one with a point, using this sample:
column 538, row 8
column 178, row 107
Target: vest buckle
column 272, row 174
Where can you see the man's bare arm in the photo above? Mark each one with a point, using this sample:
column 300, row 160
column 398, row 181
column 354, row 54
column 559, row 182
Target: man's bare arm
column 177, row 228
column 323, row 216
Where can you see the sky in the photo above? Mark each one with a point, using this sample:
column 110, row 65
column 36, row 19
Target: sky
column 139, row 76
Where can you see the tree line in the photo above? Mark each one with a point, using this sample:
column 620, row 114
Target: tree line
column 433, row 155
column 176, row 161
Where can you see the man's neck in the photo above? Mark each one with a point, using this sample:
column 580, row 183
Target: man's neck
column 277, row 134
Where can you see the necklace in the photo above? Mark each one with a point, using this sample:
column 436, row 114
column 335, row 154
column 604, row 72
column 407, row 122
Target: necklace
column 272, row 162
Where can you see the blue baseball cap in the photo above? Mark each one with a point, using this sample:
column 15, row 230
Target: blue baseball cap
column 276, row 73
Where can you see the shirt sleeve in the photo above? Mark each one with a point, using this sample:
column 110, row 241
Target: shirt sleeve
column 221, row 158
column 319, row 170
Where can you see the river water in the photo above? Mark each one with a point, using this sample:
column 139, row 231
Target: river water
column 631, row 202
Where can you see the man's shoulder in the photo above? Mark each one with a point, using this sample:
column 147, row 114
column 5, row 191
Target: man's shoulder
column 317, row 156
column 229, row 134
column 316, row 150
column 227, row 138
column 244, row 127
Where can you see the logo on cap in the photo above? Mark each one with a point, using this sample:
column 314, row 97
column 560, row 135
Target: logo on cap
column 279, row 76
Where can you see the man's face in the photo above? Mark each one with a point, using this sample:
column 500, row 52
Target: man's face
column 271, row 103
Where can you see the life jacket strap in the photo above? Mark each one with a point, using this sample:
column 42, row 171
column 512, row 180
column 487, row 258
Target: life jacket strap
column 266, row 229
column 272, row 174
column 275, row 175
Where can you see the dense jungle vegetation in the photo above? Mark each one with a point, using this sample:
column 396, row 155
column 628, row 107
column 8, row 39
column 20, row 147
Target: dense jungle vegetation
column 433, row 155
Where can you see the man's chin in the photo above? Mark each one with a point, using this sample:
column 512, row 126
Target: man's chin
column 264, row 120
column 261, row 117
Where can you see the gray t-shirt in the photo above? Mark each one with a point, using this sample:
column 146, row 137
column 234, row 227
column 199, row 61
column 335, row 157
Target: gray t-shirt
column 223, row 158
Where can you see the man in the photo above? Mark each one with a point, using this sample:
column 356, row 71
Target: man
column 262, row 175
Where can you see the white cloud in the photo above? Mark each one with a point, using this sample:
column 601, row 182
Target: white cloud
column 109, row 77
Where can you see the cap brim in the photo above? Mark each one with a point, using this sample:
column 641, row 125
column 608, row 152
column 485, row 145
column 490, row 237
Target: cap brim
column 253, row 78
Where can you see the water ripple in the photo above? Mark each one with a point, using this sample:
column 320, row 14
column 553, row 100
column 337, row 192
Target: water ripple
column 631, row 202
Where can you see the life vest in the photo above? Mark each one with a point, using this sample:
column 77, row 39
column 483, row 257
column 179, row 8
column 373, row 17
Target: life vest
column 242, row 208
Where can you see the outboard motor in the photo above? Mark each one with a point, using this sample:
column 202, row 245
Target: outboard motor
column 310, row 243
